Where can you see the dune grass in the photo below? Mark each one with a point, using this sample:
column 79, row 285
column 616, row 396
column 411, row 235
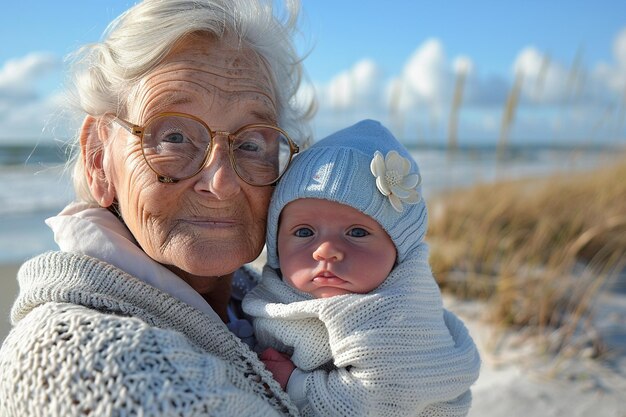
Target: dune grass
column 537, row 250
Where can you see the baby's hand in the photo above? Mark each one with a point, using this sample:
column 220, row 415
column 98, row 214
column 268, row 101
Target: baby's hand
column 279, row 364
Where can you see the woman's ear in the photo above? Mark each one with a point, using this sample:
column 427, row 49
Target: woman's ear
column 94, row 135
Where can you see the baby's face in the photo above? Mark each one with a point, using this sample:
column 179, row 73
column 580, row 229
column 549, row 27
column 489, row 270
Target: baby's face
column 327, row 249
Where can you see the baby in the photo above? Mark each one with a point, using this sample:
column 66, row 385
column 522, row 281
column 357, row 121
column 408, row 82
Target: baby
column 348, row 314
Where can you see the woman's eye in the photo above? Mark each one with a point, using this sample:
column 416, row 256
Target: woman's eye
column 249, row 147
column 250, row 141
column 358, row 232
column 174, row 137
column 303, row 232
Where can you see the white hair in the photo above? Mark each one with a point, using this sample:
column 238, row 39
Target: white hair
column 105, row 73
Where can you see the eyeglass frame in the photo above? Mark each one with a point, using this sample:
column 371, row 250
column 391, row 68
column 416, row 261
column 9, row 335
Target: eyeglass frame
column 139, row 131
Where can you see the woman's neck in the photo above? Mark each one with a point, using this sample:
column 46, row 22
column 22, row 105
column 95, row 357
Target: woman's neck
column 218, row 296
column 215, row 290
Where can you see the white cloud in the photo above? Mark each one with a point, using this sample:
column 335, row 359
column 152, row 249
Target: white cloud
column 19, row 77
column 426, row 76
column 27, row 68
column 26, row 110
column 357, row 87
column 613, row 76
column 559, row 101
column 38, row 119
column 425, row 69
column 418, row 96
column 543, row 79
column 350, row 96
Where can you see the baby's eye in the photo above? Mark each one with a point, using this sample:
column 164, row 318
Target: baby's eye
column 303, row 232
column 358, row 232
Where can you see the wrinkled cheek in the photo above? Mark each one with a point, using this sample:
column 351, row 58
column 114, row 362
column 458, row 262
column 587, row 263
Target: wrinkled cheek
column 130, row 177
column 142, row 205
column 154, row 223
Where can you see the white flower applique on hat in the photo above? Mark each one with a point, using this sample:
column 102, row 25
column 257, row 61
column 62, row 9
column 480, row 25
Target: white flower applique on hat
column 394, row 180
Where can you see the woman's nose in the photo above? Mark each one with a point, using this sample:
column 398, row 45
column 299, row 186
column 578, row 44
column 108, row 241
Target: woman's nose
column 218, row 176
column 328, row 251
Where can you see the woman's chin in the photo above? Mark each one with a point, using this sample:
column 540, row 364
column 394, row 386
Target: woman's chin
column 212, row 260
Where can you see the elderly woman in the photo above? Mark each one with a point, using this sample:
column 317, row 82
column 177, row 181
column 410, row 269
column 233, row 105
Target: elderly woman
column 188, row 107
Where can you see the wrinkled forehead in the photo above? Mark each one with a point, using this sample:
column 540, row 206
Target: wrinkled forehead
column 202, row 69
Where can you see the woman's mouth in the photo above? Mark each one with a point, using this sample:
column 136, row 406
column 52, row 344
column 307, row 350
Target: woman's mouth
column 211, row 223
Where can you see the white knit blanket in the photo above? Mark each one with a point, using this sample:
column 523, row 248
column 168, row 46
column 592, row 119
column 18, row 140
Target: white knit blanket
column 395, row 351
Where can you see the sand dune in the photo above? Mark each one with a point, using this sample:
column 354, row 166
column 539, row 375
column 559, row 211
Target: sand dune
column 518, row 380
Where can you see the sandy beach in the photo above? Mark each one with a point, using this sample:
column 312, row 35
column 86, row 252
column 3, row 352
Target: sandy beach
column 518, row 380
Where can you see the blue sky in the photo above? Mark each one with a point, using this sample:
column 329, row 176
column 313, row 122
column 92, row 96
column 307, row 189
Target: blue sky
column 396, row 61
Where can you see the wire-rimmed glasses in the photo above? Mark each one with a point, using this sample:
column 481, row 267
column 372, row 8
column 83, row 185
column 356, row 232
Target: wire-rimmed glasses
column 176, row 146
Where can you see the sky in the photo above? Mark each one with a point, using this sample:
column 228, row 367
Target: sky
column 473, row 72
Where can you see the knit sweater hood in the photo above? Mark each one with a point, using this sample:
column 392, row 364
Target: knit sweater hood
column 59, row 277
column 104, row 341
column 89, row 338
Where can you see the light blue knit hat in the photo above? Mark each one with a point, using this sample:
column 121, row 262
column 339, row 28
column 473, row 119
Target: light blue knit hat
column 339, row 168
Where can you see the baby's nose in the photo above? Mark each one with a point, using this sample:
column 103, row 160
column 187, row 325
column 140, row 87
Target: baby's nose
column 328, row 251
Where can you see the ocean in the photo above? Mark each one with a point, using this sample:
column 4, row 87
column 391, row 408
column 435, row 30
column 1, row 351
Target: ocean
column 37, row 185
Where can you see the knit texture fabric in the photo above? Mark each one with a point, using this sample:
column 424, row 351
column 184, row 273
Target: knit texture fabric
column 89, row 339
column 337, row 168
column 395, row 351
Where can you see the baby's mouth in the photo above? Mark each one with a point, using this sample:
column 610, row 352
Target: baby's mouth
column 327, row 278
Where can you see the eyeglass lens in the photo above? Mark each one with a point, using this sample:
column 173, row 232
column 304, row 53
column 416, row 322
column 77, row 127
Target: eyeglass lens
column 177, row 147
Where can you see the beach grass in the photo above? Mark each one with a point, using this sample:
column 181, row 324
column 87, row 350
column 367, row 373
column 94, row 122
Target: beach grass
column 537, row 251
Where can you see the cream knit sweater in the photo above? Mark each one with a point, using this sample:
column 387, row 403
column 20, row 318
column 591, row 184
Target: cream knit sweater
column 393, row 352
column 91, row 340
